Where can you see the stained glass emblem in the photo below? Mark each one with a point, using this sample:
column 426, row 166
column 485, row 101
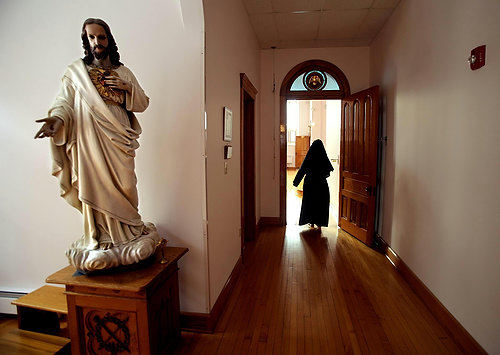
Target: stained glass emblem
column 314, row 80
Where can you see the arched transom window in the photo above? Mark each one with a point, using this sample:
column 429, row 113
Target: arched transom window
column 315, row 79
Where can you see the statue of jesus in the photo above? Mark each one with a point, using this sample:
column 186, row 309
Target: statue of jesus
column 93, row 137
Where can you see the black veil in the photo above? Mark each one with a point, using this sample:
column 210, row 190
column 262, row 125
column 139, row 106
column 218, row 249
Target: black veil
column 316, row 160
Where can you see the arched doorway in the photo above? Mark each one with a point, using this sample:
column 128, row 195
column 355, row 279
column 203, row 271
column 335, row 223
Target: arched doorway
column 310, row 80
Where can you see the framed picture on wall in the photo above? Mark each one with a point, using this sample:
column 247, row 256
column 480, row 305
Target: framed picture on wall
column 228, row 124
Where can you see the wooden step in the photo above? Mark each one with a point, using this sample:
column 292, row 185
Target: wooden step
column 17, row 341
column 46, row 298
column 43, row 310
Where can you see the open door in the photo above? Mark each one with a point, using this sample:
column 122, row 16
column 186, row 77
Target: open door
column 358, row 164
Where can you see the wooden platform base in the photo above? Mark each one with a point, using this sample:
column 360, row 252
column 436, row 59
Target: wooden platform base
column 127, row 310
column 43, row 311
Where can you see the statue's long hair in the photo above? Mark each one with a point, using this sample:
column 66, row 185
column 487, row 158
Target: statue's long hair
column 114, row 56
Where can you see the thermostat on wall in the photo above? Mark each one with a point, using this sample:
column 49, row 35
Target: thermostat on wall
column 228, row 152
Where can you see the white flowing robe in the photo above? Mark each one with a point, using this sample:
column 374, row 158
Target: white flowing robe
column 93, row 156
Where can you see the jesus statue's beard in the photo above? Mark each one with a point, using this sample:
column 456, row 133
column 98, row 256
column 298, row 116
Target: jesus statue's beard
column 100, row 55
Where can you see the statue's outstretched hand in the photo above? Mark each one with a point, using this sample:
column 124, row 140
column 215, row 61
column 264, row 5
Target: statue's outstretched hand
column 50, row 127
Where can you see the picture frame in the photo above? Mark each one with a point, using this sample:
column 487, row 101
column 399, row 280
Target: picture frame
column 228, row 124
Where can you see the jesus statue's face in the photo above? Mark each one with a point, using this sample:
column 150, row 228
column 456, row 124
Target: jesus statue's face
column 98, row 39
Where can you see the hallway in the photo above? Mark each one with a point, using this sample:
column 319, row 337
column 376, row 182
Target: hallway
column 306, row 292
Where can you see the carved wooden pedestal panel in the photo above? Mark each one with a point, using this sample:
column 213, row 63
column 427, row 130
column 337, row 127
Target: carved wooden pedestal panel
column 124, row 311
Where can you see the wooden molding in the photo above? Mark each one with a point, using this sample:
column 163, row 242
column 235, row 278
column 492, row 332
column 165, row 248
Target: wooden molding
column 269, row 221
column 195, row 322
column 225, row 293
column 206, row 322
column 247, row 85
column 248, row 93
column 452, row 326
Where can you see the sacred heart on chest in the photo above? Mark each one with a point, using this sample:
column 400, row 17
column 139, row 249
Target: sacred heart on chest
column 109, row 95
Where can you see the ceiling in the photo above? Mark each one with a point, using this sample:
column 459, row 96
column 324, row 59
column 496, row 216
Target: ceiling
column 317, row 23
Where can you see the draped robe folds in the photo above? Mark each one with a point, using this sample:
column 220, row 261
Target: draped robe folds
column 93, row 156
column 316, row 197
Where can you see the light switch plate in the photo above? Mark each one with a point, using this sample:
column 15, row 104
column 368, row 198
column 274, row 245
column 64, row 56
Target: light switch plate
column 228, row 152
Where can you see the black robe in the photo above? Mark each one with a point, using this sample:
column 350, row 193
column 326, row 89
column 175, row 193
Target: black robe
column 316, row 198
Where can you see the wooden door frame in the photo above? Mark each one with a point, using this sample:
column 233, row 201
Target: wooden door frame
column 286, row 94
column 246, row 87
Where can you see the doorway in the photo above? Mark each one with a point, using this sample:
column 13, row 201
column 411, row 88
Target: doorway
column 248, row 94
column 310, row 80
column 308, row 120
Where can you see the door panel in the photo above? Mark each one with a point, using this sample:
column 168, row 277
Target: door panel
column 358, row 164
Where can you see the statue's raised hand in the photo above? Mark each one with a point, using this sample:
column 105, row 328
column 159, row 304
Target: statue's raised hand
column 50, row 127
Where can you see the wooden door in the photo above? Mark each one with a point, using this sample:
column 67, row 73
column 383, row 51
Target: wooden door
column 248, row 173
column 302, row 144
column 358, row 164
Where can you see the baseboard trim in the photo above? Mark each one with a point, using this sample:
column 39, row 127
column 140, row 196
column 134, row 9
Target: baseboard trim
column 452, row 326
column 269, row 221
column 196, row 322
column 206, row 322
column 6, row 298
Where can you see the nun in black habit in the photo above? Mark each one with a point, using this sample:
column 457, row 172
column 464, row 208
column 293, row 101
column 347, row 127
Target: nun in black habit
column 316, row 198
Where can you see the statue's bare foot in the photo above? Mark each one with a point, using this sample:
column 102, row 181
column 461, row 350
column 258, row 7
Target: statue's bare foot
column 105, row 245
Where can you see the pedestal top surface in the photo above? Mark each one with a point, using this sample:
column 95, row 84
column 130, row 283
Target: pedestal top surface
column 131, row 278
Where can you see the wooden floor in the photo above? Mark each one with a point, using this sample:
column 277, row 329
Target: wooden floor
column 308, row 292
column 16, row 341
column 304, row 291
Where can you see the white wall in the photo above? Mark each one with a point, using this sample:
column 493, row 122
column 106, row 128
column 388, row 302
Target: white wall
column 440, row 184
column 231, row 49
column 304, row 118
column 161, row 41
column 318, row 118
column 353, row 61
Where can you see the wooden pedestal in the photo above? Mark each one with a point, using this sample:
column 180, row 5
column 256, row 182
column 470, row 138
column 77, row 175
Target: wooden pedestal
column 129, row 310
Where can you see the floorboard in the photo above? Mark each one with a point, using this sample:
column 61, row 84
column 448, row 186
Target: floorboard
column 311, row 291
